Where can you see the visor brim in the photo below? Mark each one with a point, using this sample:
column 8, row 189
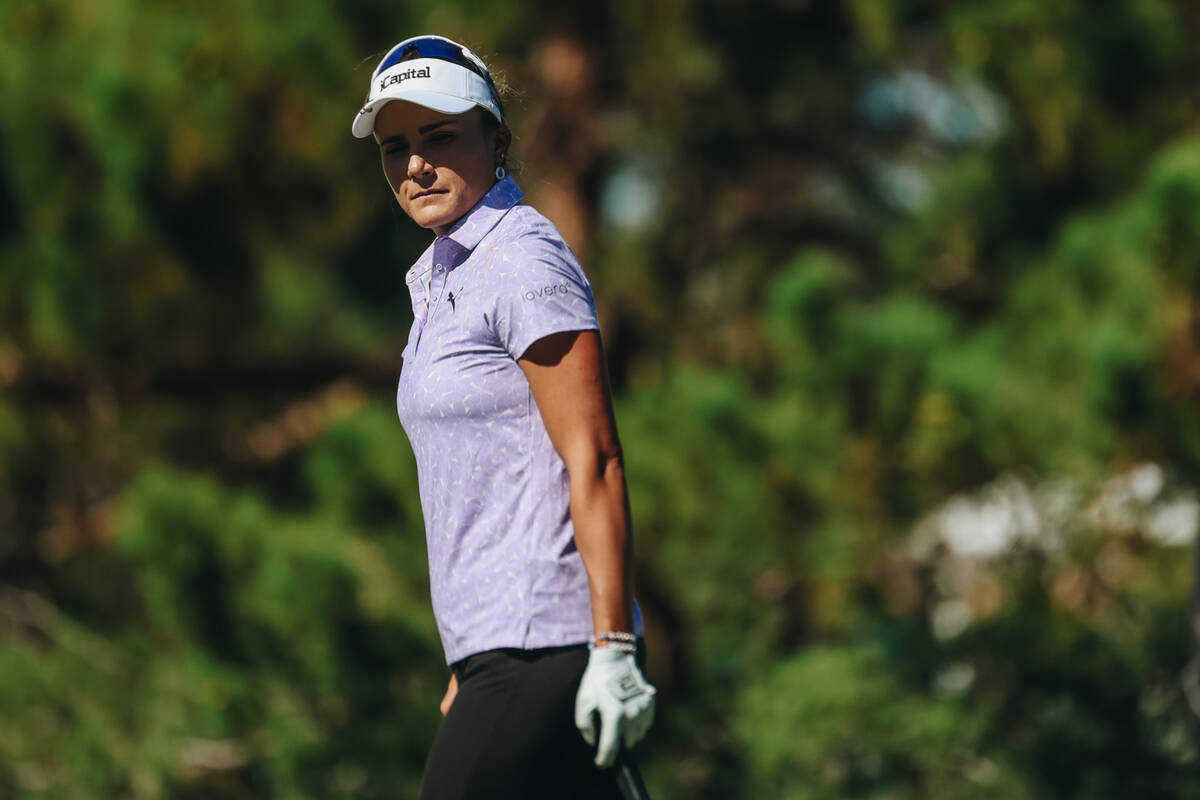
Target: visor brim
column 364, row 123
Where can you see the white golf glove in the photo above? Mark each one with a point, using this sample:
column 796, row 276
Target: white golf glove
column 613, row 689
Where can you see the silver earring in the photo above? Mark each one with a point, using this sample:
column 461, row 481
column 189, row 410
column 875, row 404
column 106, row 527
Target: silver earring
column 500, row 173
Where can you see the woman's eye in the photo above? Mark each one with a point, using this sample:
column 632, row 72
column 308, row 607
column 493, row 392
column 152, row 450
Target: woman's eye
column 440, row 138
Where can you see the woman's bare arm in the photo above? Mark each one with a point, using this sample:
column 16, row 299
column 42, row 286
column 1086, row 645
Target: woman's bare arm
column 570, row 385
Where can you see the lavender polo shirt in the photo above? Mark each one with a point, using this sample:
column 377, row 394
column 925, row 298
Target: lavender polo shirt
column 503, row 567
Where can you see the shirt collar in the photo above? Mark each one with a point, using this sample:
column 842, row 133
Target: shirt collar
column 474, row 225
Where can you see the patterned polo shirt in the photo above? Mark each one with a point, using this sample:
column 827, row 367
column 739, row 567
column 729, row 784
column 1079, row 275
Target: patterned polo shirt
column 503, row 567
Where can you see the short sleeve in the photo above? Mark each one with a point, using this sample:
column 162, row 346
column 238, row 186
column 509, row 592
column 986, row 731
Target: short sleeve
column 546, row 292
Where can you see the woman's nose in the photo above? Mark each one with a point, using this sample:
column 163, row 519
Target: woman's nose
column 418, row 166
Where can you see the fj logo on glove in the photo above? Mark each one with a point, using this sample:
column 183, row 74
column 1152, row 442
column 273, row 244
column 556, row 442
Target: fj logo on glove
column 626, row 686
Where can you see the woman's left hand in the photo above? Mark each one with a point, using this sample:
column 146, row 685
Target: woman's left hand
column 614, row 690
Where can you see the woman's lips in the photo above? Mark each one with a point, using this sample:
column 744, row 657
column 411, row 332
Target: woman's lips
column 427, row 193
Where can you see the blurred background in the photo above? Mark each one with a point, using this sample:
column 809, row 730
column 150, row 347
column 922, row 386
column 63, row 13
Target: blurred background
column 902, row 308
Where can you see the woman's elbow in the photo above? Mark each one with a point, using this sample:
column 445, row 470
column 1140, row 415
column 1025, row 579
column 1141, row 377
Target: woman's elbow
column 610, row 459
column 595, row 462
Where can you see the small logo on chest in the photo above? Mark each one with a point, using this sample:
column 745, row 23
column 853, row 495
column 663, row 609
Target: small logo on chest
column 450, row 299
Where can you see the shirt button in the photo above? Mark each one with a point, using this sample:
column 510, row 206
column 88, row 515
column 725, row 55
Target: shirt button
column 438, row 267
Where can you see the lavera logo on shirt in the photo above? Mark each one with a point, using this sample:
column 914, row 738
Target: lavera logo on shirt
column 546, row 291
column 400, row 77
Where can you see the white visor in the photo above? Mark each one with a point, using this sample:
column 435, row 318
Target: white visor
column 429, row 82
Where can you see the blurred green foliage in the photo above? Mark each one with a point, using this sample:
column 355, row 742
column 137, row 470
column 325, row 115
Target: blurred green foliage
column 861, row 268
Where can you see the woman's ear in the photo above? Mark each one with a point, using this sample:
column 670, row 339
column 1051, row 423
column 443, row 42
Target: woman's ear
column 501, row 141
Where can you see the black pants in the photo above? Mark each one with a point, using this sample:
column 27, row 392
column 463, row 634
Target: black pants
column 511, row 733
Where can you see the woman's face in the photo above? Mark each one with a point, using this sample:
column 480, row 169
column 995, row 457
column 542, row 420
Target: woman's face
column 438, row 165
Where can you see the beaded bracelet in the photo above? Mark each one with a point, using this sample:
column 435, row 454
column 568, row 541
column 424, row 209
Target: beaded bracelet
column 616, row 640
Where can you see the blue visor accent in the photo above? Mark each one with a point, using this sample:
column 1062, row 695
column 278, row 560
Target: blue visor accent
column 430, row 47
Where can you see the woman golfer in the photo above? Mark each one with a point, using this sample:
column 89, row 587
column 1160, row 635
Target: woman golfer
column 504, row 397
